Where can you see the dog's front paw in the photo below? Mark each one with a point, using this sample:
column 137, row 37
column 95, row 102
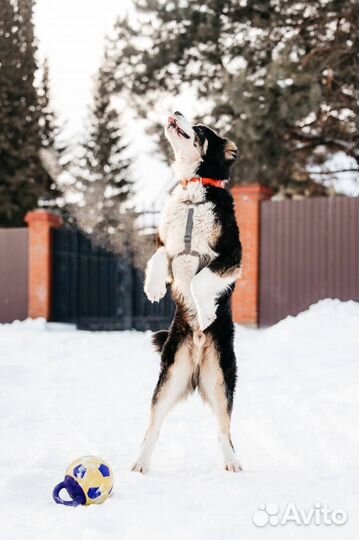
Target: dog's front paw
column 233, row 466
column 139, row 467
column 155, row 289
column 204, row 299
column 156, row 275
column 206, row 315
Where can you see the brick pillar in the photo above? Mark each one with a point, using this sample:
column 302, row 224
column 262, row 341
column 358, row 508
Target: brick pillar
column 40, row 223
column 247, row 200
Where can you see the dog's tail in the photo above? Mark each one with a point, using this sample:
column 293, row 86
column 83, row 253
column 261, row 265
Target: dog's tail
column 159, row 338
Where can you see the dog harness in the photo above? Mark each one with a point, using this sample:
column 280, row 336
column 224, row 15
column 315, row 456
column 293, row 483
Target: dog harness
column 189, row 224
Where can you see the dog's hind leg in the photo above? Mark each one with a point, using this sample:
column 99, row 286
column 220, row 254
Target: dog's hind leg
column 216, row 387
column 174, row 383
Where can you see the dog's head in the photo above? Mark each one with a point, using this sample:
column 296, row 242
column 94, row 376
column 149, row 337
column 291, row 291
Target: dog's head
column 198, row 149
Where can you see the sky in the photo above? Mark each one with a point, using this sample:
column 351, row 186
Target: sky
column 71, row 34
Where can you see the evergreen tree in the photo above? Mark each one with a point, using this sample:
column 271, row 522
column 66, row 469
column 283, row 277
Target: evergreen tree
column 53, row 152
column 23, row 179
column 280, row 74
column 49, row 129
column 102, row 172
column 9, row 52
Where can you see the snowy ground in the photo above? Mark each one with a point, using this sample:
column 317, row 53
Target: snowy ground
column 65, row 393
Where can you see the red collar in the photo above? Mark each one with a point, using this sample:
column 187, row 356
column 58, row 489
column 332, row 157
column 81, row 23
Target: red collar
column 204, row 182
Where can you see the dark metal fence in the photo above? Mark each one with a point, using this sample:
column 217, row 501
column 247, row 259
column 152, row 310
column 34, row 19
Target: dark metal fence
column 99, row 290
column 13, row 274
column 309, row 251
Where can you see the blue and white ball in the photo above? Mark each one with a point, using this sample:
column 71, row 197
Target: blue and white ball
column 95, row 477
column 88, row 480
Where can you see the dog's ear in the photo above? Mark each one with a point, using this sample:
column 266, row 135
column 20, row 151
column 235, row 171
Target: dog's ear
column 204, row 147
column 230, row 151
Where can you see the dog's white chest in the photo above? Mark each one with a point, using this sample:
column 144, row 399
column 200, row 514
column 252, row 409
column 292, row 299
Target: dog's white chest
column 187, row 254
column 188, row 214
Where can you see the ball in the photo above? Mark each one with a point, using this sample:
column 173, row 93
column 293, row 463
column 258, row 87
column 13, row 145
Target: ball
column 88, row 480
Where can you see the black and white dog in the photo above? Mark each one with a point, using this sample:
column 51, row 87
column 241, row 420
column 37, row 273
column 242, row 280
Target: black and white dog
column 199, row 253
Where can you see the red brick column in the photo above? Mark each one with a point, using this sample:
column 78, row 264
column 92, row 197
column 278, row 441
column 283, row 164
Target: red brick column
column 247, row 200
column 40, row 223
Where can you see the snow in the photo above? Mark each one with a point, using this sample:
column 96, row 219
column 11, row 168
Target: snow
column 66, row 393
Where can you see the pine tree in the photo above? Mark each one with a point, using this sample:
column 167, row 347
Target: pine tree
column 23, row 179
column 281, row 74
column 103, row 174
column 9, row 102
column 54, row 151
column 49, row 129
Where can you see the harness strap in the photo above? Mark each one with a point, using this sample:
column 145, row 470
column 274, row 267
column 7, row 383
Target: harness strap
column 189, row 229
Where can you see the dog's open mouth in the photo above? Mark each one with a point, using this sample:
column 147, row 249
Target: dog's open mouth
column 172, row 124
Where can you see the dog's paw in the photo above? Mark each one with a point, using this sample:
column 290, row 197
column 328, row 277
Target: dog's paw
column 139, row 467
column 156, row 275
column 204, row 300
column 155, row 289
column 233, row 466
column 206, row 316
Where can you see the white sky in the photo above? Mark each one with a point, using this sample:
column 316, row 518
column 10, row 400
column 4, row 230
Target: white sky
column 71, row 35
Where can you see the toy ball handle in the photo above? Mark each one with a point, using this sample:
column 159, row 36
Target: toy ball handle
column 57, row 498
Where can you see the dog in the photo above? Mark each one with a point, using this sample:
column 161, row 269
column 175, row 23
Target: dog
column 199, row 254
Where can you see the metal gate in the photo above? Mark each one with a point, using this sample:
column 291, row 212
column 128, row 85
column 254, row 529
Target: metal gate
column 309, row 251
column 99, row 290
column 13, row 274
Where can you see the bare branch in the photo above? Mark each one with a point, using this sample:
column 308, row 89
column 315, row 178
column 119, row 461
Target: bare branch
column 334, row 172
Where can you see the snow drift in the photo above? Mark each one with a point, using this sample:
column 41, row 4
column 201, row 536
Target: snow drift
column 65, row 393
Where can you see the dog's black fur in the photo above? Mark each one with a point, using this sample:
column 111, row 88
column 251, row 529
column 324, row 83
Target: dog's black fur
column 217, row 161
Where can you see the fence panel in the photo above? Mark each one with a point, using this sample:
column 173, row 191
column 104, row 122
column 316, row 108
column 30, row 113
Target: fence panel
column 13, row 274
column 99, row 290
column 146, row 315
column 309, row 251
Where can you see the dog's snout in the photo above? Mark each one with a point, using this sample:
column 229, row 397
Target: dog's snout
column 177, row 113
